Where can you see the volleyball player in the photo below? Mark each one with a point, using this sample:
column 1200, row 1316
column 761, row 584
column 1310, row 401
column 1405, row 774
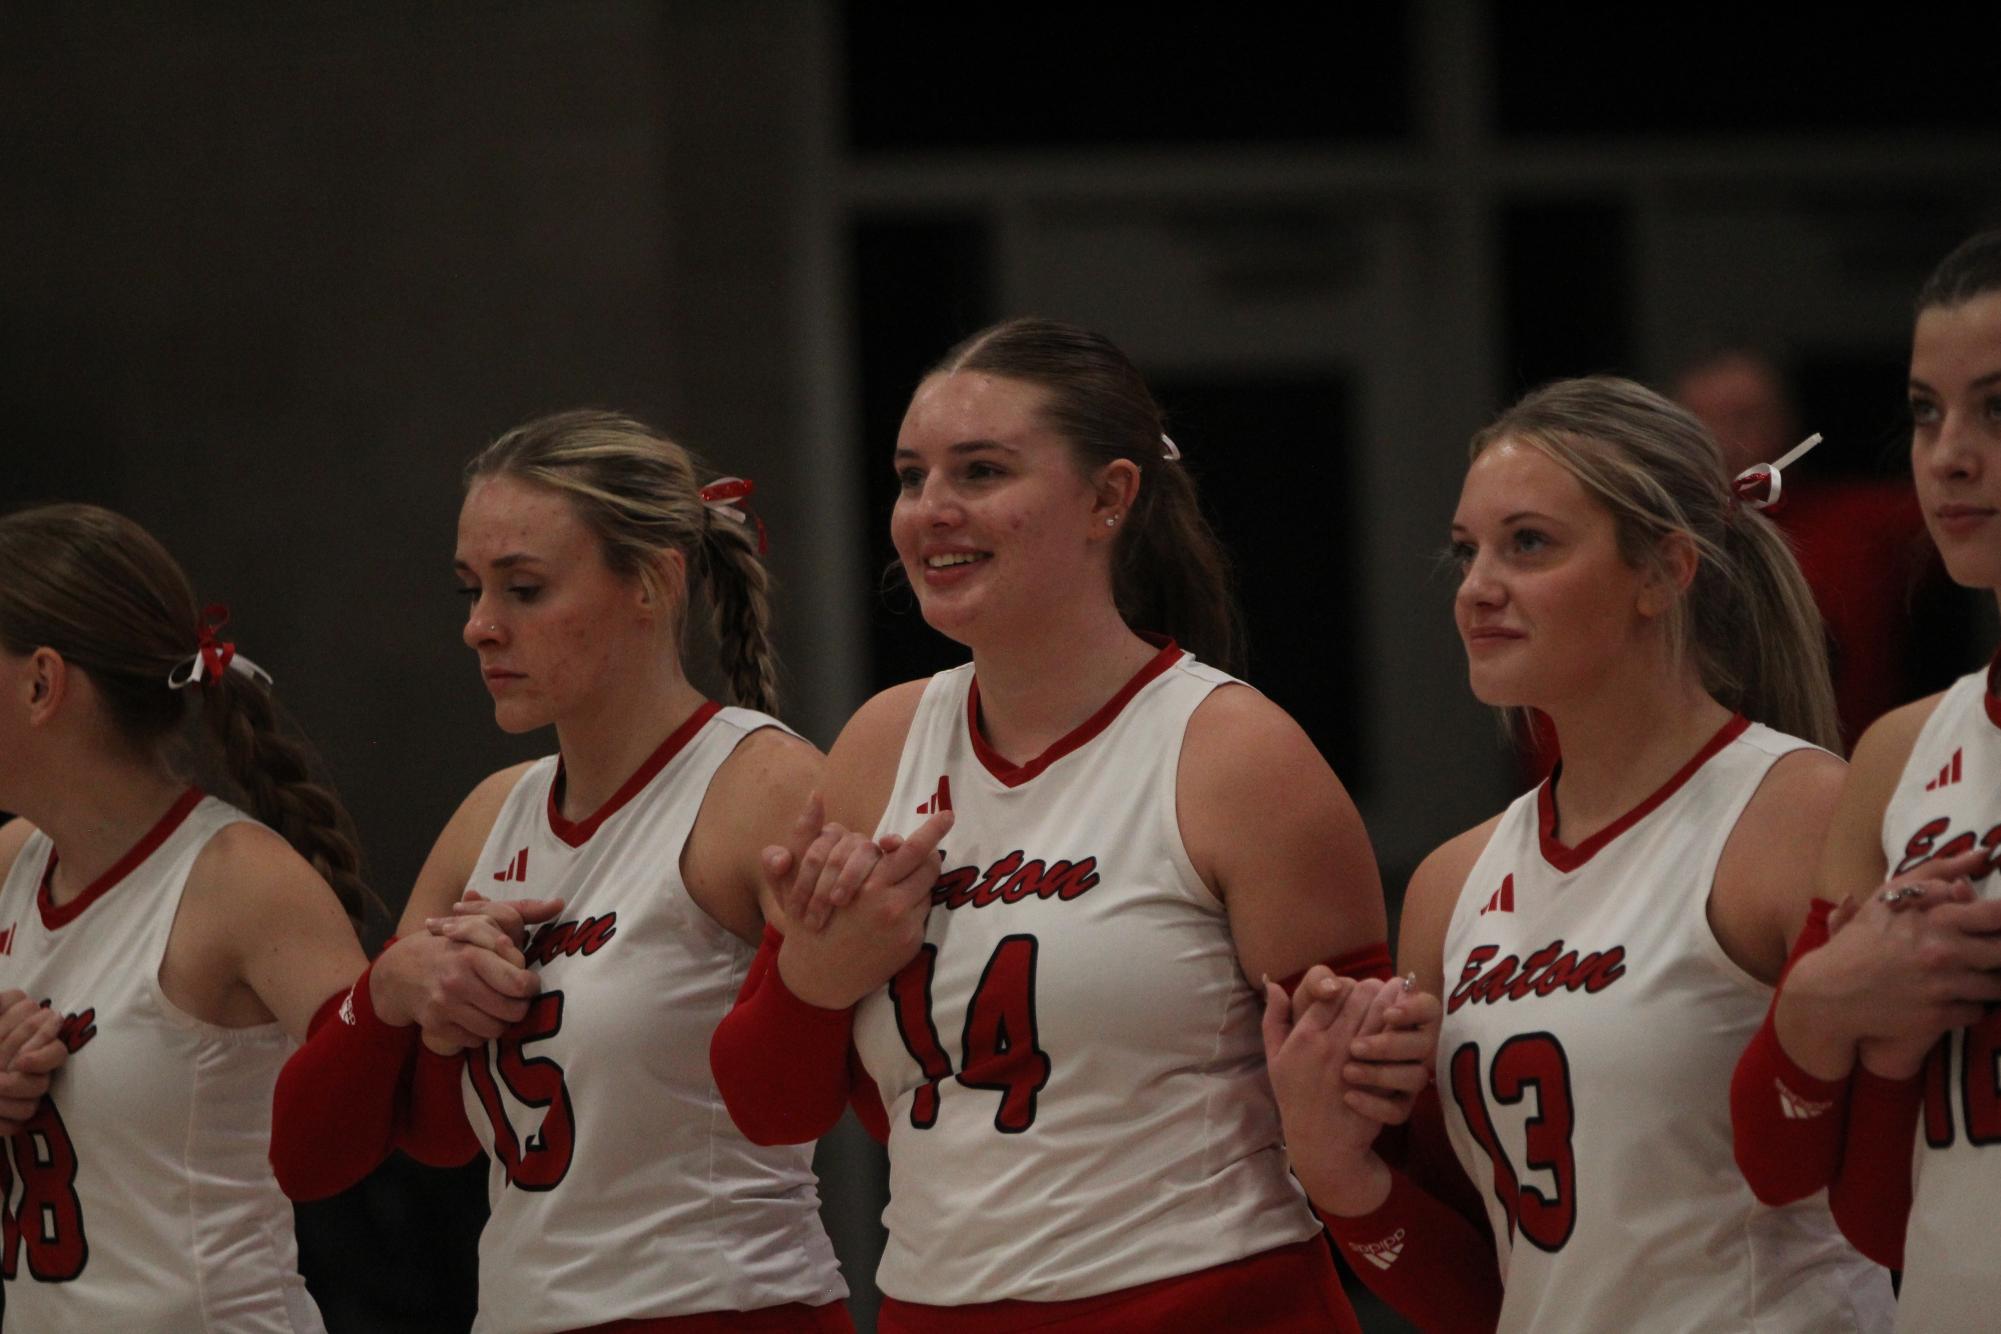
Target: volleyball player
column 161, row 948
column 1606, row 946
column 1888, row 1031
column 619, row 1190
column 1059, row 1010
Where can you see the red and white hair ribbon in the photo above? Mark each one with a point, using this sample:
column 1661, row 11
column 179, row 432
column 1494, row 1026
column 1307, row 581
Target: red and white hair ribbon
column 212, row 657
column 1761, row 484
column 725, row 497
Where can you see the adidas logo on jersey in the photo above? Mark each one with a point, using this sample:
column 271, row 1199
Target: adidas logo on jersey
column 1382, row 1254
column 940, row 800
column 1947, row 776
column 515, row 870
column 1797, row 1108
column 1503, row 899
column 347, row 1008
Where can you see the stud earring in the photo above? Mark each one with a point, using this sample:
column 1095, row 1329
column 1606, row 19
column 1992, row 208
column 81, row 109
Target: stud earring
column 1111, row 521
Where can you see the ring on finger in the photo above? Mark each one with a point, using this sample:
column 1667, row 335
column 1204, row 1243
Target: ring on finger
column 1895, row 894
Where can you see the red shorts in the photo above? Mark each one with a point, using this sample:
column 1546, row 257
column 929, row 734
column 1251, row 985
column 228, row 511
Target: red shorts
column 794, row 1318
column 1292, row 1290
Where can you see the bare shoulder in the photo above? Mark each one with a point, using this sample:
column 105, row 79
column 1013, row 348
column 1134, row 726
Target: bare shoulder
column 1237, row 737
column 253, row 868
column 861, row 768
column 258, row 934
column 1852, row 860
column 1806, row 781
column 753, row 800
column 766, row 757
column 1429, row 899
column 455, row 854
column 1765, row 876
column 13, row 837
column 1882, row 751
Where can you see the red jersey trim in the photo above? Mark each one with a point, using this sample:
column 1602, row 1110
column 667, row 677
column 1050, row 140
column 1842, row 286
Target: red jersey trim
column 1992, row 699
column 1566, row 858
column 56, row 915
column 577, row 833
column 1010, row 774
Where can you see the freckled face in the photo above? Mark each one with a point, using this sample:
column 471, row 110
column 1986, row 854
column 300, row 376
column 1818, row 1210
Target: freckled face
column 1546, row 605
column 993, row 520
column 552, row 624
column 1956, row 434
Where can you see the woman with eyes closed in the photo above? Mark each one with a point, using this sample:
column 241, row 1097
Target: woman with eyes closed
column 1061, row 1007
column 585, row 919
column 1607, row 945
column 1893, row 1021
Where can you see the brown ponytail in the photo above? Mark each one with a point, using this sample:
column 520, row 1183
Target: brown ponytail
column 1169, row 571
column 99, row 590
column 637, row 491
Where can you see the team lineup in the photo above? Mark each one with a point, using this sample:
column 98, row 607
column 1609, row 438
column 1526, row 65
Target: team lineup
column 1697, row 1033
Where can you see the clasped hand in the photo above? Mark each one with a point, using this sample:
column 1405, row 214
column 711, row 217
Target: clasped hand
column 1346, row 1058
column 31, row 1049
column 465, row 980
column 852, row 908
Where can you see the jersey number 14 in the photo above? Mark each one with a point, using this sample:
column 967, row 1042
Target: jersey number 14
column 998, row 1044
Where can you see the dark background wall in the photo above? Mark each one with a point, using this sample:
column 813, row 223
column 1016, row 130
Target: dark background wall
column 270, row 276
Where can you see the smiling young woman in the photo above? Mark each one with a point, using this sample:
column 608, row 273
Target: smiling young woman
column 576, row 1056
column 1060, row 1014
column 1893, row 1021
column 1610, row 940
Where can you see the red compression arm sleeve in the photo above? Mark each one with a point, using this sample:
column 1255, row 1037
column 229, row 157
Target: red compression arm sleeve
column 432, row 1127
column 333, row 1113
column 1421, row 1255
column 1871, row 1195
column 781, row 1064
column 1786, row 1125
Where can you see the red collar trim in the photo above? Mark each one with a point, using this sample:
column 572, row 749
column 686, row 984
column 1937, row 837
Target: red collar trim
column 1011, row 774
column 577, row 833
column 1566, row 858
column 56, row 915
column 1992, row 699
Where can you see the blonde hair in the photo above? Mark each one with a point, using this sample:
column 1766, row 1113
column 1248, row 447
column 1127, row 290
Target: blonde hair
column 1748, row 620
column 98, row 589
column 637, row 492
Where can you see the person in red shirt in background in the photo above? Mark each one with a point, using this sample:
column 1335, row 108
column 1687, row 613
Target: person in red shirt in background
column 1860, row 540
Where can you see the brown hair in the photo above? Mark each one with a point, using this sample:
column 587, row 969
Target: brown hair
column 1748, row 619
column 636, row 490
column 98, row 589
column 1972, row 270
column 1169, row 571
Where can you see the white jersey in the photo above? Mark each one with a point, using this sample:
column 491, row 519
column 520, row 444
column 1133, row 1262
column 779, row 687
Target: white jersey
column 619, row 1186
column 1592, row 1025
column 140, row 1197
column 1072, row 1064
column 1949, row 802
